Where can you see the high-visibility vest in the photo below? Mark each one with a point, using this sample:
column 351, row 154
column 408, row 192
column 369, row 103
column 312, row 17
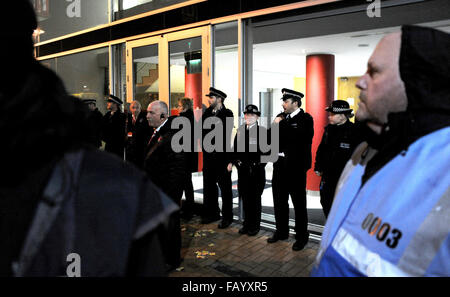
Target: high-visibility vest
column 398, row 222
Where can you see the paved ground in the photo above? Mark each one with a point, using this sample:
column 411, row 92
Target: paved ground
column 212, row 252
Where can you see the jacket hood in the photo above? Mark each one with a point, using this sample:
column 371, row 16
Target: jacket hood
column 424, row 65
column 425, row 69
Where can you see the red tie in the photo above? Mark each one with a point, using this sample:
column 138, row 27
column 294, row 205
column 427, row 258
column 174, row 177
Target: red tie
column 151, row 138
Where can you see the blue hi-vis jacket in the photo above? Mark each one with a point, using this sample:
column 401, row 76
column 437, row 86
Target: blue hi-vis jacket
column 398, row 222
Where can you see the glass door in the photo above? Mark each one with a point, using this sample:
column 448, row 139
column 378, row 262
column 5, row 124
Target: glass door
column 144, row 71
column 189, row 74
column 169, row 67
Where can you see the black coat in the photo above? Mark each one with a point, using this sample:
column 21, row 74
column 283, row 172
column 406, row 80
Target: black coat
column 191, row 157
column 246, row 147
column 217, row 158
column 296, row 136
column 138, row 135
column 111, row 221
column 109, row 216
column 166, row 168
column 114, row 132
column 335, row 149
column 94, row 122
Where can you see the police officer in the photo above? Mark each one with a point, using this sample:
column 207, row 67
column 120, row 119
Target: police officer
column 251, row 172
column 114, row 127
column 216, row 160
column 289, row 173
column 94, row 123
column 339, row 140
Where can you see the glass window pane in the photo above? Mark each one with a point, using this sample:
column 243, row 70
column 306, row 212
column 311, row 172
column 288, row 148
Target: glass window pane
column 185, row 71
column 119, row 70
column 58, row 17
column 146, row 74
column 126, row 8
column 86, row 75
column 226, row 65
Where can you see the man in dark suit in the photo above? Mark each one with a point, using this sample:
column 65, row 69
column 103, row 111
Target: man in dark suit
column 215, row 161
column 166, row 168
column 289, row 171
column 138, row 134
column 114, row 127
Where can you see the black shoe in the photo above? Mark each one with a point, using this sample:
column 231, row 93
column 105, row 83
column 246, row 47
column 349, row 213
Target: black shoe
column 253, row 232
column 276, row 236
column 243, row 230
column 224, row 224
column 299, row 245
column 209, row 220
column 172, row 266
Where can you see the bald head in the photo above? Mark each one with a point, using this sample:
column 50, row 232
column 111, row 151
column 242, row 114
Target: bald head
column 157, row 113
column 382, row 90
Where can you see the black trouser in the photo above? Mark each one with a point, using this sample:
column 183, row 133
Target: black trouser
column 327, row 189
column 173, row 248
column 214, row 174
column 289, row 181
column 251, row 182
column 172, row 251
column 188, row 189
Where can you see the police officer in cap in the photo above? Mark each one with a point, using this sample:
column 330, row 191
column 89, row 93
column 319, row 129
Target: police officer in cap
column 216, row 160
column 251, row 172
column 114, row 127
column 339, row 140
column 94, row 122
column 289, row 171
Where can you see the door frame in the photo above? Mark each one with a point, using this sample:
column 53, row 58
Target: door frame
column 163, row 57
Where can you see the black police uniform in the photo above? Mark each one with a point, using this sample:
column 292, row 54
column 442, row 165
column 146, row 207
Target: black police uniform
column 335, row 149
column 215, row 169
column 94, row 122
column 251, row 172
column 114, row 129
column 289, row 173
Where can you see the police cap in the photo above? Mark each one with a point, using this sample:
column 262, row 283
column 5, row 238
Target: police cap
column 252, row 109
column 115, row 99
column 217, row 93
column 291, row 94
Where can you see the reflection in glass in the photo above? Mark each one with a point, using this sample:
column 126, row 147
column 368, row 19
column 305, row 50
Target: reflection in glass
column 226, row 64
column 57, row 17
column 146, row 74
column 86, row 75
column 127, row 8
column 185, row 71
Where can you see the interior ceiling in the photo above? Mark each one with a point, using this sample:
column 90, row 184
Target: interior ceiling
column 352, row 51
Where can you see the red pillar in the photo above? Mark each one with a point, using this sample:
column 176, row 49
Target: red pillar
column 319, row 94
column 193, row 89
